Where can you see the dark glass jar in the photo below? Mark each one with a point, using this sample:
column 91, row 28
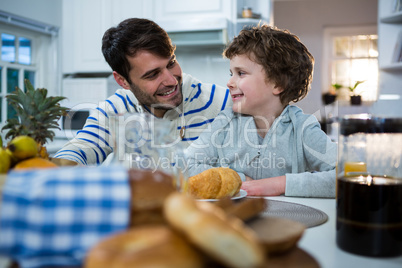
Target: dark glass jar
column 369, row 186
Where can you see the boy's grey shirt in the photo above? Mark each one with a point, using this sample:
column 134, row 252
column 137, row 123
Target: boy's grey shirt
column 294, row 146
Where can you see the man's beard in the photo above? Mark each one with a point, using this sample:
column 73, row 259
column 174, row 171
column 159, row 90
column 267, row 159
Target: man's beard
column 151, row 101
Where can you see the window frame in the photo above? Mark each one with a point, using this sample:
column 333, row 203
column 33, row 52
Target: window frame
column 329, row 34
column 44, row 62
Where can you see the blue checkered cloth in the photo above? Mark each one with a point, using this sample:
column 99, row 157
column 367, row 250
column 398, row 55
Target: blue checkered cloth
column 52, row 217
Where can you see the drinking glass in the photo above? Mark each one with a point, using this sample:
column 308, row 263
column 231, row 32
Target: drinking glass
column 142, row 141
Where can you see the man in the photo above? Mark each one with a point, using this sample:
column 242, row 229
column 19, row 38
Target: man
column 142, row 58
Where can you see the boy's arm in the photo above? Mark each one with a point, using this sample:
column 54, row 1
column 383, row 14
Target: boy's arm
column 320, row 156
column 311, row 184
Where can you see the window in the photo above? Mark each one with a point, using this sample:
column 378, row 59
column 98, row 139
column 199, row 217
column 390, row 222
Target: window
column 15, row 62
column 28, row 51
column 351, row 55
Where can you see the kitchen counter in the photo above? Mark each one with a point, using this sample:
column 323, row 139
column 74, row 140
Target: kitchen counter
column 320, row 241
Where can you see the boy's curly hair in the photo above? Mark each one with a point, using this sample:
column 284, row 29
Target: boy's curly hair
column 286, row 61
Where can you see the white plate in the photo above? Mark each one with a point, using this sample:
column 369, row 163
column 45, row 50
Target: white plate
column 239, row 195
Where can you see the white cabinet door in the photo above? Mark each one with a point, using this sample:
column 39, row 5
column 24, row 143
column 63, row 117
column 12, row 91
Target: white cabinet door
column 92, row 20
column 84, row 24
column 192, row 9
column 124, row 9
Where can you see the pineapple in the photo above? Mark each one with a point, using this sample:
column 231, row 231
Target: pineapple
column 37, row 115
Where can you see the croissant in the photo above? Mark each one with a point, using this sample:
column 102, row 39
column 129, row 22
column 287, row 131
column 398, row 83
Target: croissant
column 214, row 183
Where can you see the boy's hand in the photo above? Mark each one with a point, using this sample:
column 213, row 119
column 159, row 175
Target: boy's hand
column 249, row 178
column 265, row 187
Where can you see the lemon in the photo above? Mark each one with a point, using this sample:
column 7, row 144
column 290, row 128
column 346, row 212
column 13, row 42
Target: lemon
column 23, row 147
column 5, row 161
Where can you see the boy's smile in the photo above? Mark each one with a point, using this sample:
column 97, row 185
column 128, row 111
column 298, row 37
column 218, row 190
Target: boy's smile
column 236, row 96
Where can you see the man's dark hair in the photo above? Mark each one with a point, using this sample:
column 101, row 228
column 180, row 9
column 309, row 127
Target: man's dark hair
column 129, row 37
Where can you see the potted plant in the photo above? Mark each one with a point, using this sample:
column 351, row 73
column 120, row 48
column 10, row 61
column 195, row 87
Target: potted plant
column 355, row 99
column 330, row 96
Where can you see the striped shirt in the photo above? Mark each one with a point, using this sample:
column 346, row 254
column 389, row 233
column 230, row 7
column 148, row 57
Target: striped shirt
column 201, row 104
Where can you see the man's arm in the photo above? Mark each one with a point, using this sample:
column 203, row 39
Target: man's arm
column 95, row 141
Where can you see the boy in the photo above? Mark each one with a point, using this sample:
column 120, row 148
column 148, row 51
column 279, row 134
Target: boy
column 275, row 148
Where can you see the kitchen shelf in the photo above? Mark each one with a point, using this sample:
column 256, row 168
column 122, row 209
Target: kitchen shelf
column 393, row 18
column 397, row 66
column 390, row 69
column 249, row 20
column 263, row 7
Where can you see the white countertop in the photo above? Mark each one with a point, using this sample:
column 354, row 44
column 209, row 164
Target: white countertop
column 320, row 241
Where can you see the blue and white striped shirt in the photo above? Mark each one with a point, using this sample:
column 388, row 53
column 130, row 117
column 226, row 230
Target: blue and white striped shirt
column 201, row 104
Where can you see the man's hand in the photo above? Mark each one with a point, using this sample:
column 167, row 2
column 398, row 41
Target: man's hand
column 63, row 162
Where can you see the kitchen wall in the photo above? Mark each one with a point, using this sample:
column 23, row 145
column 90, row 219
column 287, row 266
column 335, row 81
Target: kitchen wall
column 206, row 64
column 305, row 18
column 47, row 11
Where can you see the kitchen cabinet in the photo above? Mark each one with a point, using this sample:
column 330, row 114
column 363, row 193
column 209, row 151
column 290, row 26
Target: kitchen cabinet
column 261, row 11
column 195, row 23
column 180, row 17
column 85, row 22
column 390, row 70
column 390, row 35
column 180, row 10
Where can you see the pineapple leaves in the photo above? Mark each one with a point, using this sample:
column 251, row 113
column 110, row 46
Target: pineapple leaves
column 50, row 102
column 28, row 86
column 36, row 113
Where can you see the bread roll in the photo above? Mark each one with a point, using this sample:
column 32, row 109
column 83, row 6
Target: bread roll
column 225, row 239
column 214, row 183
column 144, row 247
column 277, row 235
column 246, row 209
column 148, row 192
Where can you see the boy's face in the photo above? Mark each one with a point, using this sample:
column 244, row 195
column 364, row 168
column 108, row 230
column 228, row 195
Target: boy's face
column 250, row 91
column 156, row 81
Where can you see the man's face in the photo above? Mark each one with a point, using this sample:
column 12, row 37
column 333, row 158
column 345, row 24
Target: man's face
column 156, row 81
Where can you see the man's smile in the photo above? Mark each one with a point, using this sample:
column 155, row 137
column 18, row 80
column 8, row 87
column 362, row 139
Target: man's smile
column 168, row 92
